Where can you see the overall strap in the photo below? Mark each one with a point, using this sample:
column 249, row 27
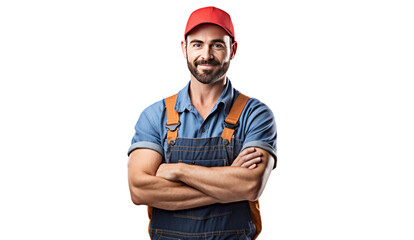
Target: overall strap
column 232, row 120
column 173, row 120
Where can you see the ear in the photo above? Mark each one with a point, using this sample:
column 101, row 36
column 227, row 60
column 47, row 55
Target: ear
column 233, row 50
column 184, row 48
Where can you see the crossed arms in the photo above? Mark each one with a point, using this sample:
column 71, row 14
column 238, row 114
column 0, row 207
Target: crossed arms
column 182, row 186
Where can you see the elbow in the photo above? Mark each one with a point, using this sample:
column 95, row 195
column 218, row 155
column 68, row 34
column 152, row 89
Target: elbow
column 138, row 188
column 137, row 192
column 136, row 197
column 254, row 191
column 135, row 200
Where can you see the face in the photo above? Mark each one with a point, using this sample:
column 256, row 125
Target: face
column 208, row 50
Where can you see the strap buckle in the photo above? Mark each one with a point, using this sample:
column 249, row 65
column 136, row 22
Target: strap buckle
column 231, row 126
column 173, row 127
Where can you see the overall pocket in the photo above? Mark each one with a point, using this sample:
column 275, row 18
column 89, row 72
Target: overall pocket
column 164, row 236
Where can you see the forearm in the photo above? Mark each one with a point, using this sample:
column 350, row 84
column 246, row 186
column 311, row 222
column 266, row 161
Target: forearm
column 148, row 189
column 160, row 193
column 228, row 184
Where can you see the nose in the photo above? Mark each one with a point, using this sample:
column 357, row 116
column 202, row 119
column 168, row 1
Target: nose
column 206, row 54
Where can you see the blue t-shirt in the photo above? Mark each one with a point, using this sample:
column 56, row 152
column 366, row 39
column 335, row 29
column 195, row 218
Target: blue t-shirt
column 257, row 127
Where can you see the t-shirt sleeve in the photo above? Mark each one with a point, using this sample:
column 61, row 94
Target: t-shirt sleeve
column 147, row 131
column 261, row 128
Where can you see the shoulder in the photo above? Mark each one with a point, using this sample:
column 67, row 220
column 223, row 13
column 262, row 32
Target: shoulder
column 152, row 117
column 258, row 117
column 155, row 110
column 255, row 107
column 259, row 127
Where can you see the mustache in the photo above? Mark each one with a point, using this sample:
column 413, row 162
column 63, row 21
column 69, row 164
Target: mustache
column 209, row 62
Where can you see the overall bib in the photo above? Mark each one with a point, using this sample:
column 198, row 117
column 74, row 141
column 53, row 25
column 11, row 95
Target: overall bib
column 236, row 220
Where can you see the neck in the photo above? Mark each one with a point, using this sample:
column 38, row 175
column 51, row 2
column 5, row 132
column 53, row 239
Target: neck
column 205, row 96
column 202, row 94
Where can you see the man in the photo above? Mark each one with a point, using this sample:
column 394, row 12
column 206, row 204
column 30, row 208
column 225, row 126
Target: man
column 200, row 159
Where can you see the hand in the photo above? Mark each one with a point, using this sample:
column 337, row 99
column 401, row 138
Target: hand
column 168, row 171
column 248, row 158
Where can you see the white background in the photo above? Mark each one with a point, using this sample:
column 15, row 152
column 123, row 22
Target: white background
column 75, row 76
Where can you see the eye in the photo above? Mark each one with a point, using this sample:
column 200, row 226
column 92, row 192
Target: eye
column 218, row 45
column 196, row 45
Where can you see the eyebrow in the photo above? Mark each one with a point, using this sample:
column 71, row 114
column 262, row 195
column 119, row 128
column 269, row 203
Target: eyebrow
column 219, row 40
column 196, row 41
column 214, row 41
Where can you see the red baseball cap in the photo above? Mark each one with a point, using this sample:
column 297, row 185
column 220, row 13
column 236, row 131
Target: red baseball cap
column 211, row 15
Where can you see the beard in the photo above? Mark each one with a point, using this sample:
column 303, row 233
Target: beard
column 208, row 76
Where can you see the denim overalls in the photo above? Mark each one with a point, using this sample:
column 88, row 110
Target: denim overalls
column 236, row 220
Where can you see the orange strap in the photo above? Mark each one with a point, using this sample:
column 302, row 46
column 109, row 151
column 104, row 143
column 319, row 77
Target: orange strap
column 233, row 117
column 173, row 120
column 257, row 220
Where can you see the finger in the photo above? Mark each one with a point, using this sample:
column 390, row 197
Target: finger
column 239, row 161
column 243, row 153
column 247, row 151
column 252, row 166
column 250, row 156
column 251, row 162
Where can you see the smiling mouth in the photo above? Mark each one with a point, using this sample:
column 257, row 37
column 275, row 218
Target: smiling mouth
column 206, row 66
